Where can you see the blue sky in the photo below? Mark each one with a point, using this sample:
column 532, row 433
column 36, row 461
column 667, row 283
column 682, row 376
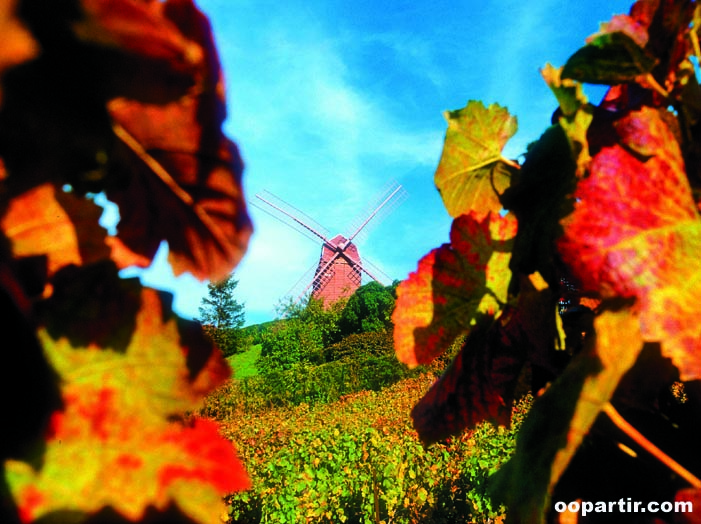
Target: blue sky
column 329, row 100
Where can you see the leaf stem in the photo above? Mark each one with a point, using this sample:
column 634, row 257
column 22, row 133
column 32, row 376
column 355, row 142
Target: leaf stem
column 510, row 162
column 693, row 33
column 136, row 147
column 654, row 84
column 648, row 446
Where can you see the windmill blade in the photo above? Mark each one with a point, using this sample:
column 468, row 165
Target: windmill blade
column 290, row 215
column 392, row 195
column 319, row 273
column 302, row 285
column 375, row 273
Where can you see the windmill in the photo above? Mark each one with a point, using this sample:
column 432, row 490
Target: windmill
column 340, row 269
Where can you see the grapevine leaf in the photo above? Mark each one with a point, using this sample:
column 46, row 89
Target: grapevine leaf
column 690, row 496
column 123, row 407
column 18, row 44
column 62, row 227
column 479, row 385
column 633, row 26
column 169, row 146
column 24, row 374
column 667, row 25
column 466, row 393
column 92, row 305
column 638, row 235
column 177, row 154
column 576, row 114
column 453, row 286
column 472, row 173
column 558, row 421
column 92, row 51
column 540, row 195
column 610, row 59
column 139, row 40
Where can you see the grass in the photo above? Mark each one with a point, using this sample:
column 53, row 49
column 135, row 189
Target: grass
column 244, row 364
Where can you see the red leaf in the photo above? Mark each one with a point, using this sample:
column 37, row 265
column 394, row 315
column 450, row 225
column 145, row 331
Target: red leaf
column 139, row 28
column 453, row 286
column 690, row 498
column 477, row 386
column 636, row 232
column 139, row 40
column 480, row 383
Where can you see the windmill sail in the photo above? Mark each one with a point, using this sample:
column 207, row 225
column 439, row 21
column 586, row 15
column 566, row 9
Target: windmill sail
column 339, row 270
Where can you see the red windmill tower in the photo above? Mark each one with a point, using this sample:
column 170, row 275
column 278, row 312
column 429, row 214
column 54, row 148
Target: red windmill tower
column 339, row 271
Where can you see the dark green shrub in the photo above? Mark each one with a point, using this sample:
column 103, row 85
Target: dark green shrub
column 230, row 340
column 289, row 343
column 361, row 345
column 255, row 331
column 305, row 384
column 368, row 309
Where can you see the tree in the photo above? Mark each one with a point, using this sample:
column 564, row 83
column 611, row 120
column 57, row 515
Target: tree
column 301, row 335
column 368, row 309
column 222, row 316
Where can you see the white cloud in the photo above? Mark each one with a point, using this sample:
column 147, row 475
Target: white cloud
column 317, row 140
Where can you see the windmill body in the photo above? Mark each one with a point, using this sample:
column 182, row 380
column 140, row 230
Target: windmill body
column 339, row 271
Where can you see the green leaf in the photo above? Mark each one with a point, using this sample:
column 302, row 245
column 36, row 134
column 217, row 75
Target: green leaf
column 561, row 417
column 610, row 59
column 472, row 173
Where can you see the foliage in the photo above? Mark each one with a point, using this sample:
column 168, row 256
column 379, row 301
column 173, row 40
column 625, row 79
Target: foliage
column 604, row 212
column 358, row 460
column 309, row 384
column 288, row 344
column 255, row 331
column 222, row 316
column 108, row 369
column 361, row 345
column 368, row 309
column 318, row 316
column 299, row 337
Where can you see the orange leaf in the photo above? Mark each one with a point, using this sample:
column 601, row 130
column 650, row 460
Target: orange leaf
column 64, row 228
column 17, row 43
column 636, row 232
column 117, row 442
column 453, row 286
